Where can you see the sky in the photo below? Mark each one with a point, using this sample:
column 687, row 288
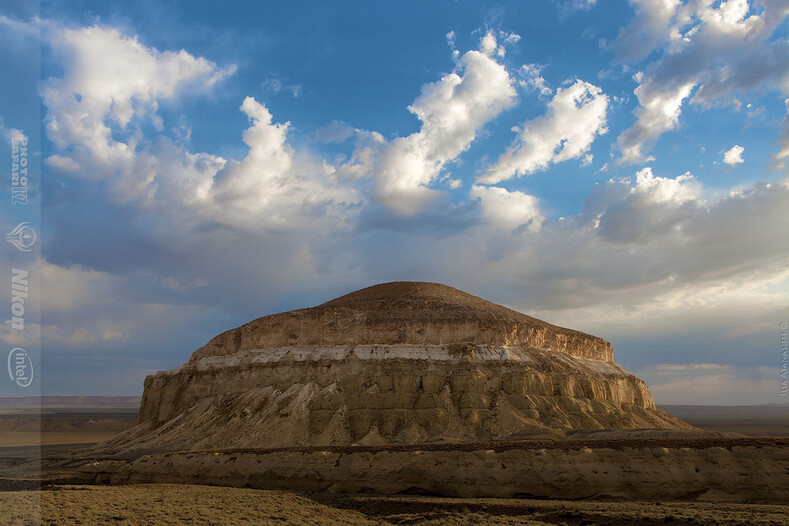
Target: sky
column 617, row 167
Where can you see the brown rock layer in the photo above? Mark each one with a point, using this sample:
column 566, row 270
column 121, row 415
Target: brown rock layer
column 734, row 473
column 410, row 313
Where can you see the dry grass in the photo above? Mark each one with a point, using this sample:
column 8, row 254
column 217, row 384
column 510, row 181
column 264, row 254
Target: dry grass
column 455, row 512
column 172, row 504
column 164, row 505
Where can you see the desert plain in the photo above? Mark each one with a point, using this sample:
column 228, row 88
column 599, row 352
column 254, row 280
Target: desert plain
column 57, row 501
column 68, row 428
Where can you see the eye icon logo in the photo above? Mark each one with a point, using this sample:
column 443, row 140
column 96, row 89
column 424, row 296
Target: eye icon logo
column 22, row 237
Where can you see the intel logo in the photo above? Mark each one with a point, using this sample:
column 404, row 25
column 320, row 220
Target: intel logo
column 20, row 367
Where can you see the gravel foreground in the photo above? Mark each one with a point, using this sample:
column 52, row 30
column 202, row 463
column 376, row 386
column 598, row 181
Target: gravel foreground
column 175, row 504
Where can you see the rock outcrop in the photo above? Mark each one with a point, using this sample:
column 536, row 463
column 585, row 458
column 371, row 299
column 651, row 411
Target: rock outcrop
column 752, row 471
column 400, row 362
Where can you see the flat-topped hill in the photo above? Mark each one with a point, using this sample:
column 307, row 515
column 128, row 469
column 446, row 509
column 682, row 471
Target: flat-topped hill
column 397, row 363
column 405, row 312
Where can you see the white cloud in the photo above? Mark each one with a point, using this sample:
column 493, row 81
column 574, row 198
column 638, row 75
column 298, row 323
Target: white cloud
column 567, row 7
column 653, row 207
column 651, row 26
column 367, row 147
column 663, row 189
column 272, row 186
column 116, row 76
column 12, row 135
column 276, row 84
column 509, row 37
column 658, row 112
column 716, row 49
column 451, row 39
column 64, row 164
column 531, row 79
column 508, row 210
column 335, row 131
column 488, row 45
column 111, row 81
column 733, row 155
column 575, row 116
column 452, row 110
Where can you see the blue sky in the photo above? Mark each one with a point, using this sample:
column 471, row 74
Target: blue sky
column 616, row 167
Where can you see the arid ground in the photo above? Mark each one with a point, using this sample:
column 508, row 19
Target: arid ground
column 66, row 430
column 64, row 420
column 166, row 504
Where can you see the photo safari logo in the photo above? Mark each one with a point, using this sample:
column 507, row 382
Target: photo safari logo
column 22, row 237
column 20, row 367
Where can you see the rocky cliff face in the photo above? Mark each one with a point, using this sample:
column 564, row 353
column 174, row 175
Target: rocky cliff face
column 394, row 363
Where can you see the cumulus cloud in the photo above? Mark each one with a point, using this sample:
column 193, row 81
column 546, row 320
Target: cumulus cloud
column 653, row 207
column 452, row 111
column 575, row 117
column 508, row 210
column 661, row 241
column 716, row 49
column 271, row 186
column 733, row 155
column 113, row 84
column 110, row 81
column 658, row 112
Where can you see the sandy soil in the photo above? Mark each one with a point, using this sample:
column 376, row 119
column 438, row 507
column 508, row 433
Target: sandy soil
column 62, row 427
column 165, row 505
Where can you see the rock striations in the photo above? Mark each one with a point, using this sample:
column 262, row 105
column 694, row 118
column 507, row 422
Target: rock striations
column 401, row 362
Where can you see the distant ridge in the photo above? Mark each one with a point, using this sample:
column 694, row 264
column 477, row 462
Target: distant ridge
column 20, row 402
